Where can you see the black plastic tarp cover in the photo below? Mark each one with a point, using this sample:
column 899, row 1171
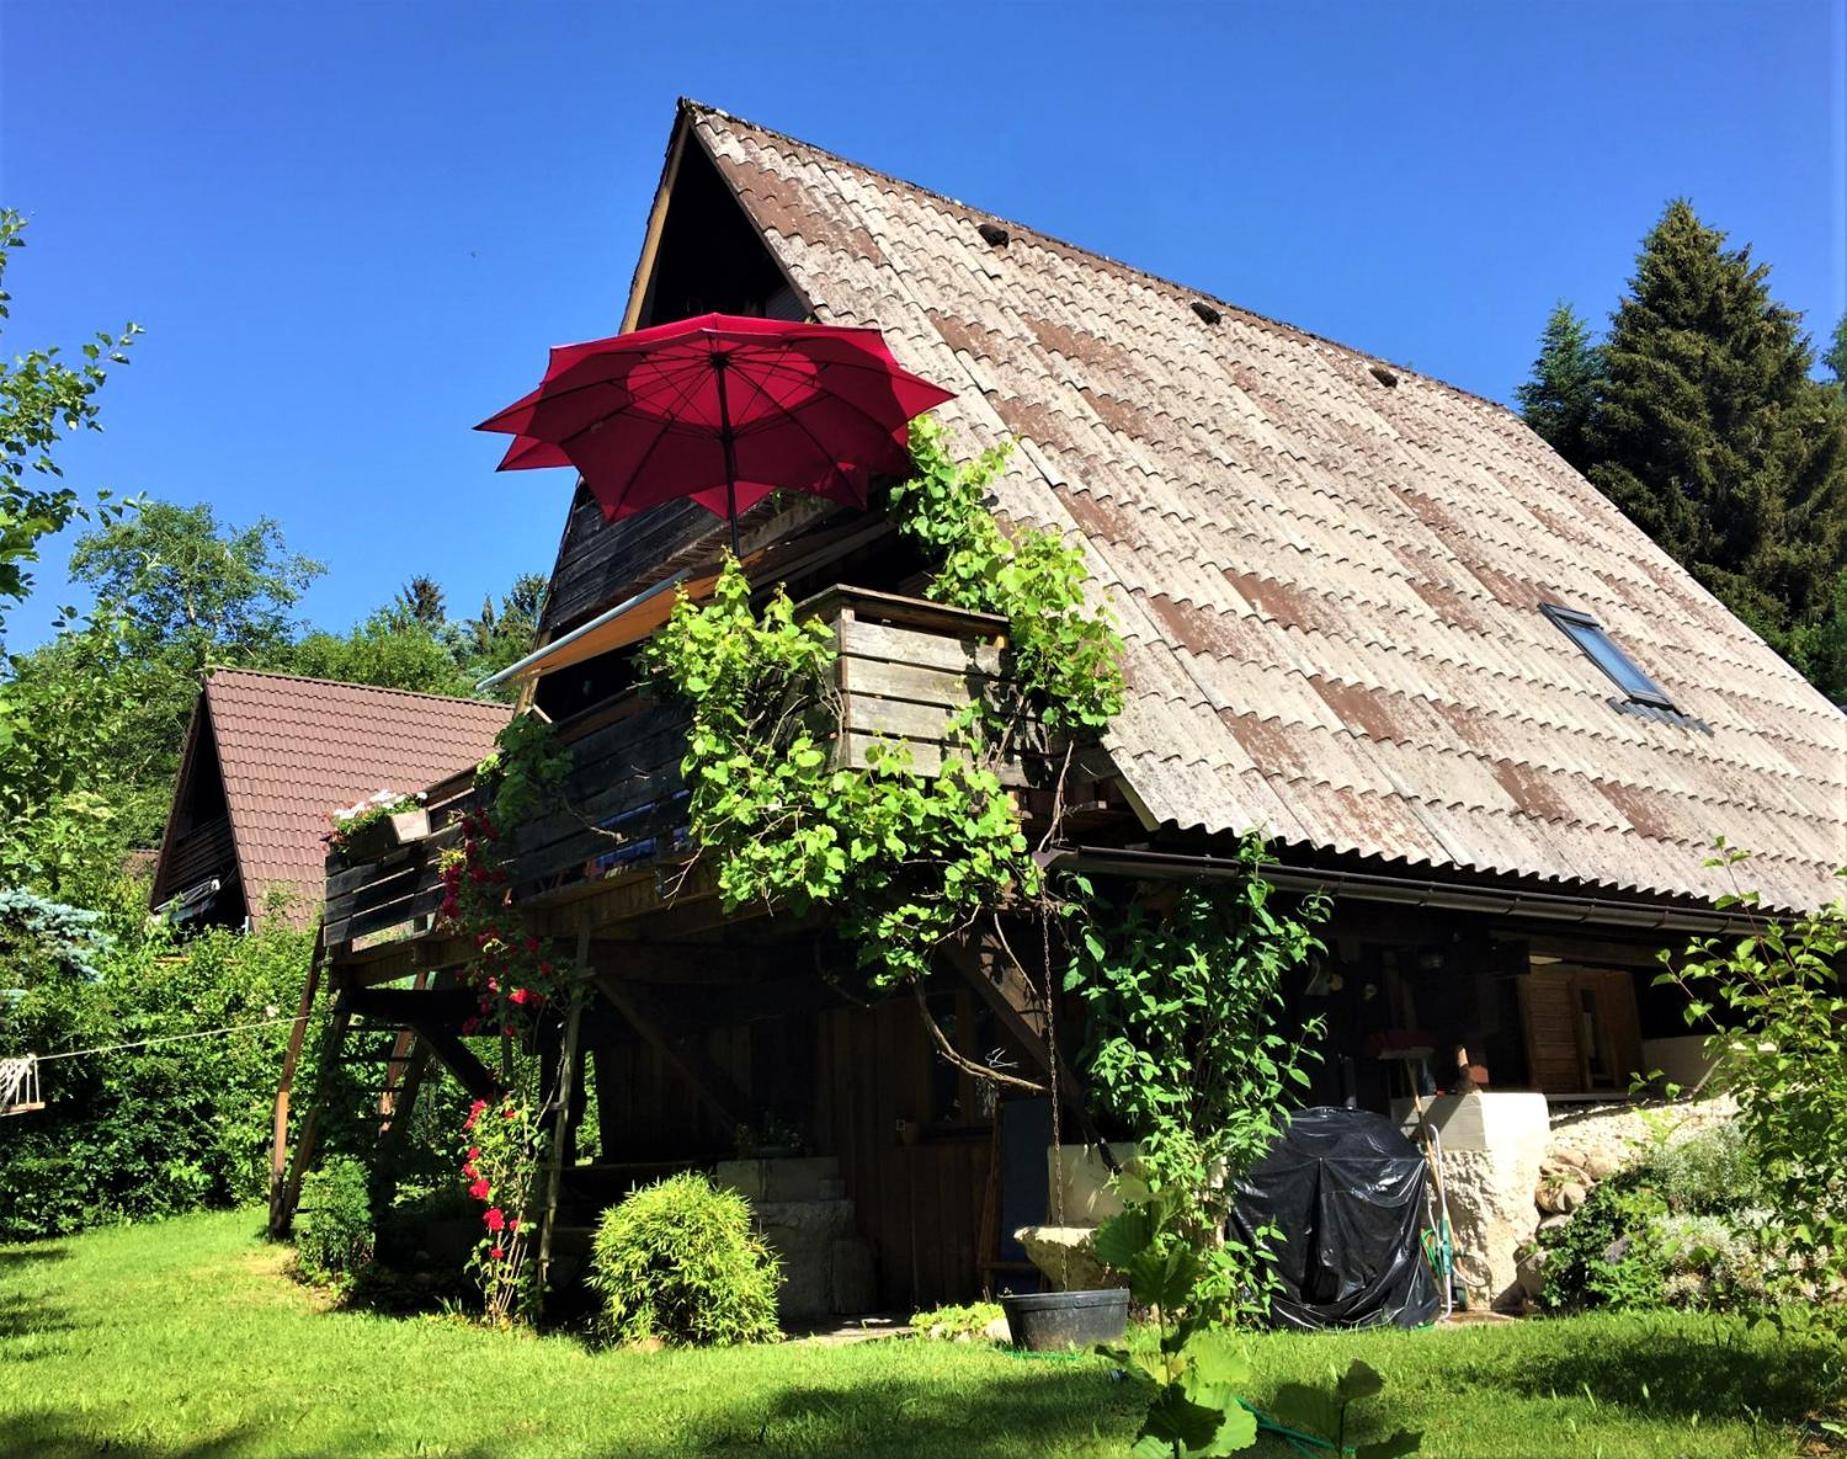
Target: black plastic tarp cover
column 1346, row 1189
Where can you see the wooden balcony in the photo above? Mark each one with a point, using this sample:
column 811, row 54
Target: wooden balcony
column 906, row 667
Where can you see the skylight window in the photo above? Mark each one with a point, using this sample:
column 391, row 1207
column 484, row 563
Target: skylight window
column 1587, row 633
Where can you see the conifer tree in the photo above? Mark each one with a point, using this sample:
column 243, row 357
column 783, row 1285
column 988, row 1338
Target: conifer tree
column 1558, row 401
column 1709, row 432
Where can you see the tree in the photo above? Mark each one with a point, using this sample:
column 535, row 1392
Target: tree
column 1836, row 357
column 38, row 395
column 1562, row 395
column 1710, row 434
column 495, row 638
column 388, row 650
column 421, row 601
column 100, row 712
column 194, row 589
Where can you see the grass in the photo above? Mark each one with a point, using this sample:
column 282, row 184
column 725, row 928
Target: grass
column 185, row 1338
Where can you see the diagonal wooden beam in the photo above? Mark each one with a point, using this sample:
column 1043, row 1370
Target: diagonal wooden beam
column 683, row 1051
column 1021, row 1009
column 459, row 1060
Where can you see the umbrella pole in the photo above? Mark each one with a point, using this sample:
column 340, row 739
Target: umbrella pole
column 731, row 461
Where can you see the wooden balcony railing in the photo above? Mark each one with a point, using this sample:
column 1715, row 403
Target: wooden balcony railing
column 905, row 668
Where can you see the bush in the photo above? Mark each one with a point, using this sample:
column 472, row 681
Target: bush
column 153, row 1130
column 957, row 1323
column 1684, row 1227
column 680, row 1262
column 333, row 1225
column 1611, row 1253
column 1710, row 1172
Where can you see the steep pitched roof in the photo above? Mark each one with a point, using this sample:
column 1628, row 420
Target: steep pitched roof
column 292, row 750
column 1328, row 574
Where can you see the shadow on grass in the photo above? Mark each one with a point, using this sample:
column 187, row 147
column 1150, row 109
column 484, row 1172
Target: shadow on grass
column 62, row 1434
column 21, row 1314
column 14, row 1257
column 1039, row 1409
column 1658, row 1369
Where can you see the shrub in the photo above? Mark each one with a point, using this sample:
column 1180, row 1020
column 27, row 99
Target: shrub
column 680, row 1262
column 162, row 1127
column 956, row 1323
column 333, row 1227
column 1611, row 1253
column 1712, row 1171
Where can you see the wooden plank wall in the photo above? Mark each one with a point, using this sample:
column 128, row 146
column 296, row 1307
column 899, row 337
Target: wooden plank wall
column 647, row 1110
column 918, row 1204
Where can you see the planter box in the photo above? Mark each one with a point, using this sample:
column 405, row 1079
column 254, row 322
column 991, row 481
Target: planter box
column 372, row 841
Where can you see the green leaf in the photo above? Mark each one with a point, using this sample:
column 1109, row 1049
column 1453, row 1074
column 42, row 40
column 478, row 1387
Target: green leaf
column 1124, row 1237
column 1176, row 1419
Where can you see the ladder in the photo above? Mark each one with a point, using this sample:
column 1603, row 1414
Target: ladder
column 19, row 1089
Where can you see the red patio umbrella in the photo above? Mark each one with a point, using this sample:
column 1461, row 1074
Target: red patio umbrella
column 721, row 409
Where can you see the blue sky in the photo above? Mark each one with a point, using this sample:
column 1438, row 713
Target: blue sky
column 352, row 230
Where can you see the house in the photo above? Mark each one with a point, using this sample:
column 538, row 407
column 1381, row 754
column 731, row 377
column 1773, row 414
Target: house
column 267, row 758
column 1365, row 612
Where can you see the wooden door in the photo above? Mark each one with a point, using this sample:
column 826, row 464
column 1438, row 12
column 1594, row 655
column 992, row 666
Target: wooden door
column 1583, row 1030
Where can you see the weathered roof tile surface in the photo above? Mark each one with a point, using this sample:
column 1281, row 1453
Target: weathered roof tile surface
column 1328, row 583
column 294, row 750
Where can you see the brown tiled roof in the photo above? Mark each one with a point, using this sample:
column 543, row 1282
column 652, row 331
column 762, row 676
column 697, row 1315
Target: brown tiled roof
column 294, row 750
column 1329, row 584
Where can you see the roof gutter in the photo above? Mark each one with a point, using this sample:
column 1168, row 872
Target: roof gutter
column 1398, row 891
column 538, row 655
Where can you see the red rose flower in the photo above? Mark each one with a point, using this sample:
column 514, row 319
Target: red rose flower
column 481, row 1190
column 497, row 1253
column 495, row 1219
column 513, row 1225
column 519, row 995
column 474, row 1152
column 469, row 1170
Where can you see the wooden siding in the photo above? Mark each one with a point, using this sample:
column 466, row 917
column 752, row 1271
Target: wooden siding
column 204, row 851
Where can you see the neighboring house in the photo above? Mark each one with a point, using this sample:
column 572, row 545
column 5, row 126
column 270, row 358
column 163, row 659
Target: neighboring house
column 268, row 758
column 1368, row 614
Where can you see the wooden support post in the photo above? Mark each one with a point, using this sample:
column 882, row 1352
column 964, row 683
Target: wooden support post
column 563, row 1092
column 307, row 1147
column 395, row 1129
column 279, row 1141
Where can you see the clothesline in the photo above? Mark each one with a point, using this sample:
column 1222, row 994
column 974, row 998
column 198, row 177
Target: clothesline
column 169, row 1038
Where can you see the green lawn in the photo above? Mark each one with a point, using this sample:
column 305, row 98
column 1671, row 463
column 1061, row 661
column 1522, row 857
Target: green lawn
column 184, row 1338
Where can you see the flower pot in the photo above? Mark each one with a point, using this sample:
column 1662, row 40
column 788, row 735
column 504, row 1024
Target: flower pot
column 1049, row 1322
column 375, row 838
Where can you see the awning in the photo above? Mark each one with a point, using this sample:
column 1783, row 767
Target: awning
column 628, row 622
column 634, row 618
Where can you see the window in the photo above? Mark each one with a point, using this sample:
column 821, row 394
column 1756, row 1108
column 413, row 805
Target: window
column 1601, row 649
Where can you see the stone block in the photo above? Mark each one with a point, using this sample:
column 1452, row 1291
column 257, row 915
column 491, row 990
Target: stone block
column 1068, row 1257
column 783, row 1178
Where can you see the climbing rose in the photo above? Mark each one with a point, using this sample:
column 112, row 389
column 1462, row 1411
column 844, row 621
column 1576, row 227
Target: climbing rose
column 498, row 1253
column 481, row 1190
column 519, row 995
column 474, row 1114
column 496, row 1221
